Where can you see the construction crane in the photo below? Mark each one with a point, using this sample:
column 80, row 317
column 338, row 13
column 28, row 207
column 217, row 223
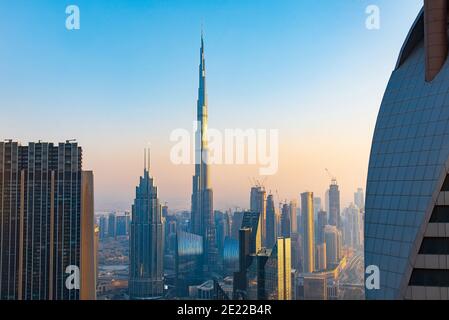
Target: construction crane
column 333, row 178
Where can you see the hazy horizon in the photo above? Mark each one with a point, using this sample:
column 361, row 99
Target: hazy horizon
column 129, row 77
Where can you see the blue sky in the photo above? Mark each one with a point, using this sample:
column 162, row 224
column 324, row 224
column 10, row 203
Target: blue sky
column 129, row 76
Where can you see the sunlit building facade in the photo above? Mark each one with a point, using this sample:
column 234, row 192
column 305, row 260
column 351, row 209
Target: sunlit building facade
column 308, row 232
column 46, row 223
column 407, row 201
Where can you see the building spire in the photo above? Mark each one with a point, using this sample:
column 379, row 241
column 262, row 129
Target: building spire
column 149, row 159
column 146, row 159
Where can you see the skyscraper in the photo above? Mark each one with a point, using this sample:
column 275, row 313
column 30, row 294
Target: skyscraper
column 103, row 224
column 316, row 206
column 406, row 212
column 258, row 204
column 334, row 204
column 46, row 223
column 112, row 225
column 202, row 195
column 252, row 222
column 271, row 223
column 332, row 245
column 308, row 232
column 293, row 206
column 359, row 198
column 236, row 224
column 285, row 221
column 321, row 260
column 321, row 223
column 146, row 242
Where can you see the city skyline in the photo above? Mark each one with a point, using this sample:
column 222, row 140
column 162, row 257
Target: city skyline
column 123, row 98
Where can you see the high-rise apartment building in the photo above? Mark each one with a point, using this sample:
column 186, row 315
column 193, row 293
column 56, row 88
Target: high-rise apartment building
column 46, row 223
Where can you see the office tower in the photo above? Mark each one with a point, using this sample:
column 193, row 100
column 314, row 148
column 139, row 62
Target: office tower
column 321, row 260
column 146, row 242
column 252, row 221
column 121, row 225
column 321, row 223
column 347, row 232
column 46, row 222
column 359, row 198
column 202, row 195
column 308, row 233
column 103, row 224
column 282, row 252
column 339, row 245
column 227, row 223
column 271, row 223
column 165, row 210
column 332, row 246
column 285, row 221
column 258, row 201
column 334, row 204
column 237, row 219
column 296, row 250
column 112, row 225
column 293, row 206
column 250, row 243
column 188, row 262
column 220, row 227
column 240, row 284
column 326, row 201
column 316, row 206
column 230, row 256
column 353, row 226
column 265, row 275
column 171, row 228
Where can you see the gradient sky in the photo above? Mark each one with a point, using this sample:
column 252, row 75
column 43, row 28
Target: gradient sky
column 129, row 77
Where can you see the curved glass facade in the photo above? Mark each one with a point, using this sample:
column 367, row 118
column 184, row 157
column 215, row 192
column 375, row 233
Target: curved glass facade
column 231, row 256
column 407, row 166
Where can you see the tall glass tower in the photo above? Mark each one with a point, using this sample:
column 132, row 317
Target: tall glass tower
column 146, row 256
column 407, row 196
column 202, row 195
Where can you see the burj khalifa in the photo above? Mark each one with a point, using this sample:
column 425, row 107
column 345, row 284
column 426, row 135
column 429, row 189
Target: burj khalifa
column 202, row 216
